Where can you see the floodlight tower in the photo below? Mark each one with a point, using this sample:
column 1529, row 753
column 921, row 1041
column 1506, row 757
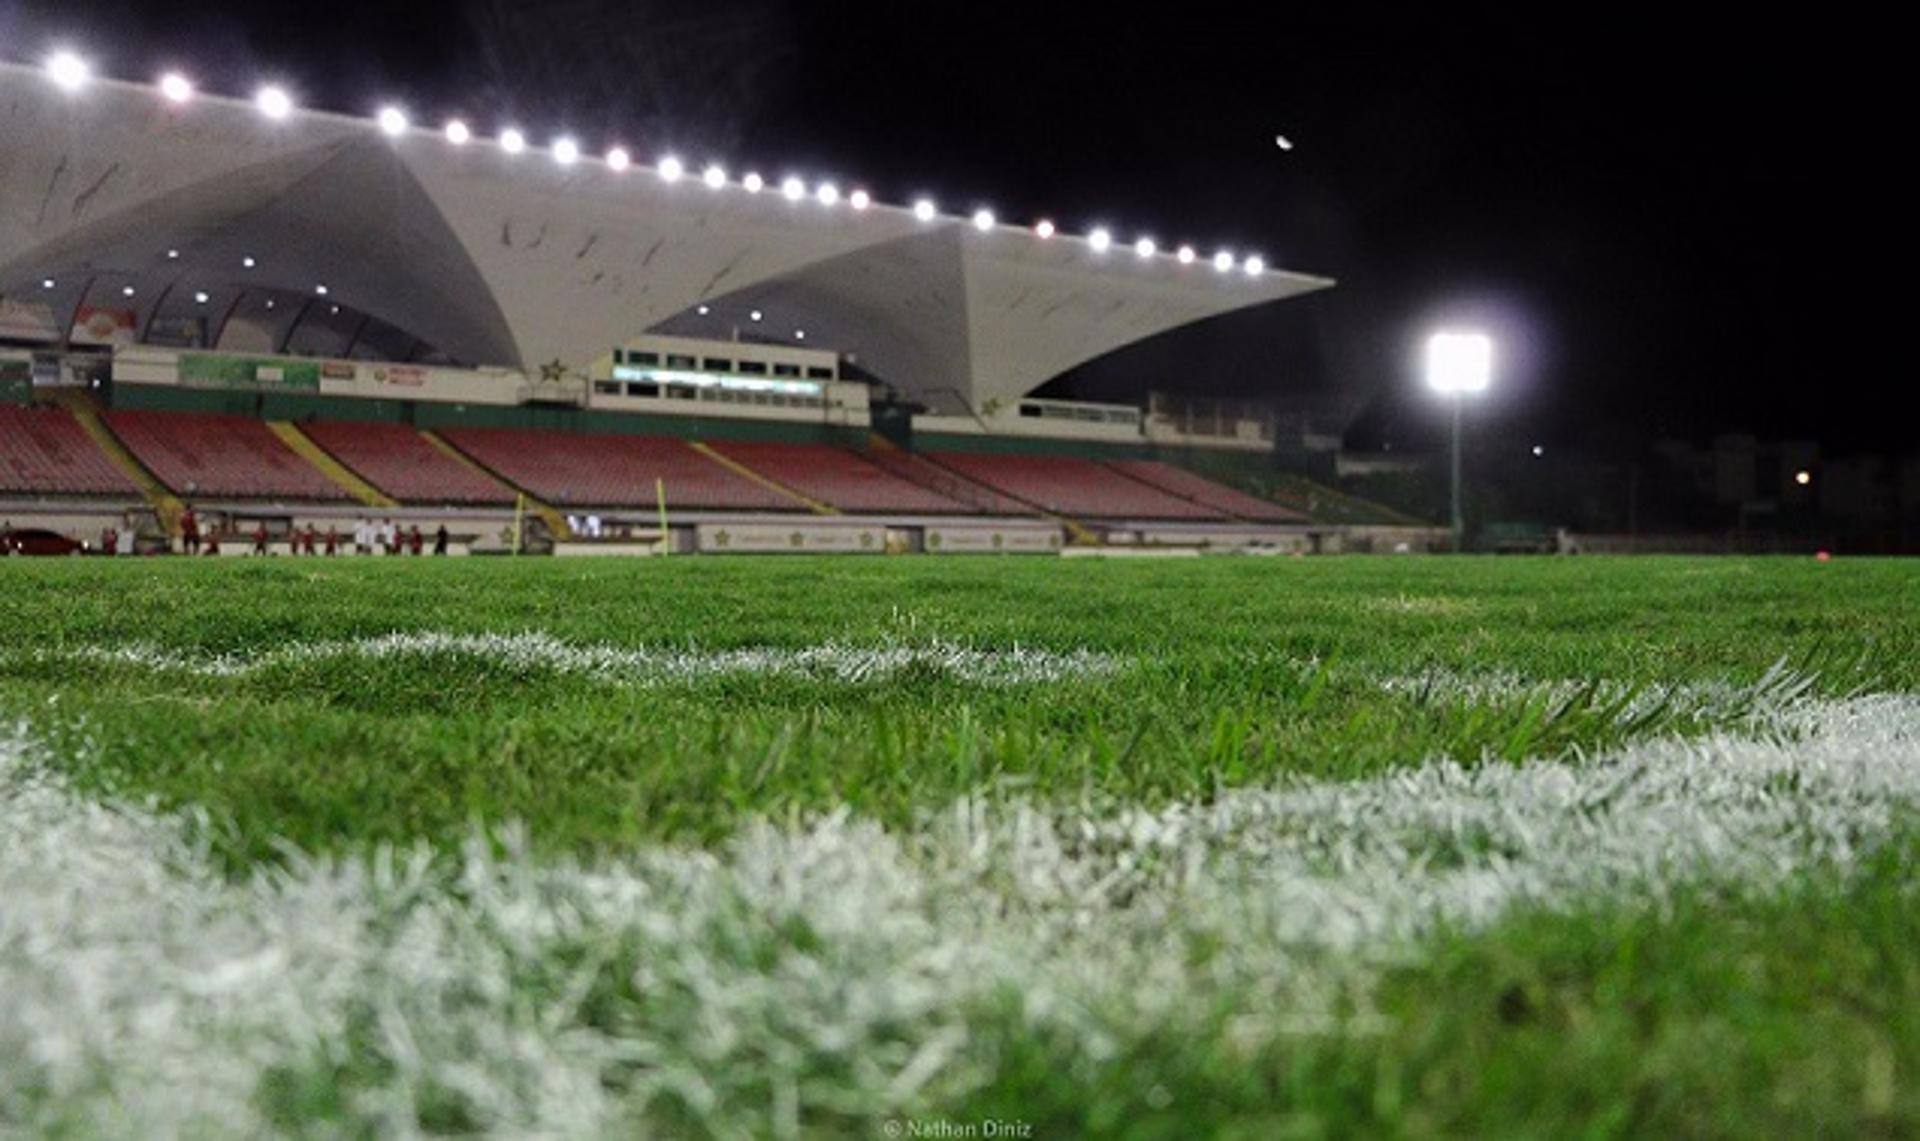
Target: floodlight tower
column 1458, row 363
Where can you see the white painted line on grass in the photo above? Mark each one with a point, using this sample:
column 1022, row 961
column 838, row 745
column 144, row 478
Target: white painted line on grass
column 838, row 963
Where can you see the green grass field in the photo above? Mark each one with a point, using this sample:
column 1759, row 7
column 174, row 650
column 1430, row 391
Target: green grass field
column 899, row 847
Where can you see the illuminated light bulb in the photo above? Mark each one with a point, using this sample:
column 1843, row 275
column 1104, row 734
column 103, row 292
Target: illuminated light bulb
column 68, row 71
column 273, row 102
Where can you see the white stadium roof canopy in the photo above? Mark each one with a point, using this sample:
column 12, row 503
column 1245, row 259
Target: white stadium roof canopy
column 520, row 259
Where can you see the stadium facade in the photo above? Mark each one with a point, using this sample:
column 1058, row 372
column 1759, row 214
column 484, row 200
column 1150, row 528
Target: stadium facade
column 274, row 322
column 140, row 213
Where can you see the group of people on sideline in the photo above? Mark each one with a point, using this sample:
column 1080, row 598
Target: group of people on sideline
column 368, row 537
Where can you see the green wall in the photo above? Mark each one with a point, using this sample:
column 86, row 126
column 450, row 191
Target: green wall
column 435, row 414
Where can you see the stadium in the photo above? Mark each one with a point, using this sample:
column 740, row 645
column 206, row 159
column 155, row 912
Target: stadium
column 856, row 731
column 288, row 317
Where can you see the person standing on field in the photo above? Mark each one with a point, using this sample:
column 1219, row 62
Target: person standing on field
column 440, row 540
column 189, row 532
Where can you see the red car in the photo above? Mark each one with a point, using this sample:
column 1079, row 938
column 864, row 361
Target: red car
column 33, row 541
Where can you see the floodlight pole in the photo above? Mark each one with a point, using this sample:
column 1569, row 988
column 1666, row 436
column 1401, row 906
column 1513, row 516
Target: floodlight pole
column 1459, row 525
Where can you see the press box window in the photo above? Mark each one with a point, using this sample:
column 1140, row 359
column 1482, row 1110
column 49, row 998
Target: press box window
column 819, row 374
column 786, row 370
column 675, row 360
column 752, row 368
column 717, row 364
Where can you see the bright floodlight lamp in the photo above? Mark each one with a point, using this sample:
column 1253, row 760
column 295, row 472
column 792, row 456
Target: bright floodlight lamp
column 1255, row 265
column 1144, row 247
column 393, row 122
column 753, row 183
column 1803, row 477
column 715, row 176
column 618, row 159
column 1186, row 255
column 1223, row 261
column 566, row 152
column 68, row 71
column 1043, row 229
column 925, row 210
column 983, row 219
column 792, row 189
column 512, row 141
column 859, row 200
column 273, row 102
column 828, row 194
column 671, row 169
column 201, row 297
column 1459, row 363
column 458, row 133
column 176, row 88
column 1100, row 239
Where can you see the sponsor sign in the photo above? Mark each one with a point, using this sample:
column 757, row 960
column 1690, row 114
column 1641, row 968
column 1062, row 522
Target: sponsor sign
column 976, row 540
column 338, row 370
column 99, row 325
column 406, row 376
column 203, row 371
column 798, row 538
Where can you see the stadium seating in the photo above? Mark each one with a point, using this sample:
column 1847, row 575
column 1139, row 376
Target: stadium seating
column 1075, row 487
column 950, row 484
column 231, row 457
column 395, row 459
column 1205, row 492
column 45, row 451
column 839, row 478
column 578, row 469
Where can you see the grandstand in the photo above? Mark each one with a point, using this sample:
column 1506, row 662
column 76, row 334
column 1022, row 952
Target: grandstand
column 401, row 463
column 290, row 323
column 44, row 451
column 217, row 456
column 1068, row 485
column 582, row 469
column 841, row 478
column 1204, row 492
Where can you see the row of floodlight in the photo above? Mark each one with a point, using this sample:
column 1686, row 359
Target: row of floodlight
column 70, row 72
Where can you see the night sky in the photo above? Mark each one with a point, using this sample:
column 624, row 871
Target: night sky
column 1670, row 225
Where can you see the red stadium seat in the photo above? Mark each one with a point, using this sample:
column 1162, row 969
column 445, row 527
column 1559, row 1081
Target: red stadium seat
column 1072, row 486
column 579, row 469
column 395, row 459
column 234, row 457
column 45, row 451
column 839, row 478
column 951, row 484
column 1205, row 492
